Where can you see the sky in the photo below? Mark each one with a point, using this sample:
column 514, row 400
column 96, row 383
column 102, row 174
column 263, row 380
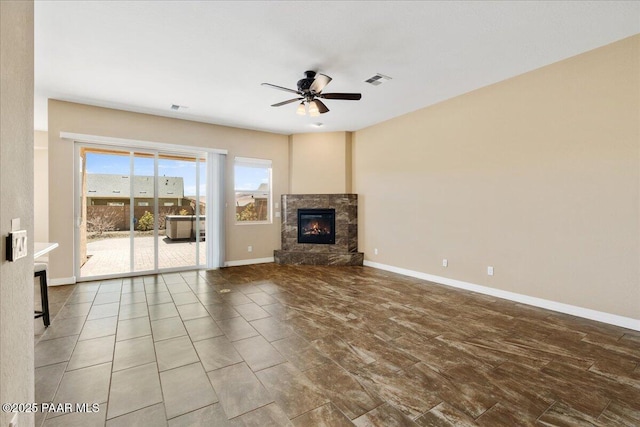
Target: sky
column 247, row 178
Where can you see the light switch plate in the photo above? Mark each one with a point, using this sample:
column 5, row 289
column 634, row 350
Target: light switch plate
column 17, row 245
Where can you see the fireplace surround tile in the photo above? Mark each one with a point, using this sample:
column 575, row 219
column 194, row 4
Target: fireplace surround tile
column 345, row 249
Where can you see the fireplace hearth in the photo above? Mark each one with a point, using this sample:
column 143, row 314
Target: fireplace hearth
column 317, row 226
column 319, row 229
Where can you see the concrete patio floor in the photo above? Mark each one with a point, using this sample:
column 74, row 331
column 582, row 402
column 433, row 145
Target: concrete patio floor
column 111, row 255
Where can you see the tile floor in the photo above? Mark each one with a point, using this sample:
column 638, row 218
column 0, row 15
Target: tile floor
column 270, row 345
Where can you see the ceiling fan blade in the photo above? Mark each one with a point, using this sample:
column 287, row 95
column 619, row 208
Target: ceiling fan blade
column 347, row 96
column 321, row 107
column 281, row 88
column 289, row 101
column 319, row 83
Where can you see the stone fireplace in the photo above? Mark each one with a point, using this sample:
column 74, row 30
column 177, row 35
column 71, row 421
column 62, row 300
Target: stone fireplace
column 319, row 229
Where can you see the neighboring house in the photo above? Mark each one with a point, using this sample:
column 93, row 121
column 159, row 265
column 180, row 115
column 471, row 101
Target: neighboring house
column 114, row 190
column 258, row 197
column 251, row 196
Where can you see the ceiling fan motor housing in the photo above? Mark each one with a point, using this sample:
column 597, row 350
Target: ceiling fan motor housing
column 305, row 84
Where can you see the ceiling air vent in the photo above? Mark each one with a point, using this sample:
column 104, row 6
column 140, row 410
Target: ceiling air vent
column 377, row 80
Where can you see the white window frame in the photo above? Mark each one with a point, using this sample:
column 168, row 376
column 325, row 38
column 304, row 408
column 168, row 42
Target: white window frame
column 254, row 163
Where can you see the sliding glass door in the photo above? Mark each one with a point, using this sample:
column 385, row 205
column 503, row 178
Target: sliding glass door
column 139, row 211
column 182, row 205
column 142, row 212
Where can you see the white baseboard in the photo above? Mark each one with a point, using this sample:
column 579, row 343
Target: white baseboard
column 62, row 281
column 248, row 262
column 600, row 316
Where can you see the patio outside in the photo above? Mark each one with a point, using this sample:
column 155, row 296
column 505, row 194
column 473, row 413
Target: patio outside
column 110, row 253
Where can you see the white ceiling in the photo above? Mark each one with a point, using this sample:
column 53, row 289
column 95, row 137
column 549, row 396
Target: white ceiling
column 212, row 56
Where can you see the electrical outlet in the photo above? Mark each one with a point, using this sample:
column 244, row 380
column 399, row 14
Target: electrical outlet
column 249, row 248
column 375, row 251
column 490, row 271
column 445, row 262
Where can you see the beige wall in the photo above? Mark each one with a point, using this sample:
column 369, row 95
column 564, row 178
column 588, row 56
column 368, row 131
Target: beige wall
column 83, row 119
column 537, row 176
column 320, row 163
column 40, row 187
column 16, row 188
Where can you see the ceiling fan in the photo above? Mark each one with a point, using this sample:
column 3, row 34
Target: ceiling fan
column 309, row 89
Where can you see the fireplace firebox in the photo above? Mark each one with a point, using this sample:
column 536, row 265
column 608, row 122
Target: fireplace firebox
column 317, row 226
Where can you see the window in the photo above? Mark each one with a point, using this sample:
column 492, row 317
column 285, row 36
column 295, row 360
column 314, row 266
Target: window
column 252, row 184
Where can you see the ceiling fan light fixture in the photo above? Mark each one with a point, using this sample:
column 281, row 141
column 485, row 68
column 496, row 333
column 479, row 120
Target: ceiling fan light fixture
column 314, row 111
column 302, row 110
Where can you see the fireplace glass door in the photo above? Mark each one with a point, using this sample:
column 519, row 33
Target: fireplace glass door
column 317, row 226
